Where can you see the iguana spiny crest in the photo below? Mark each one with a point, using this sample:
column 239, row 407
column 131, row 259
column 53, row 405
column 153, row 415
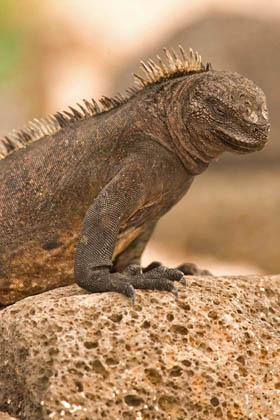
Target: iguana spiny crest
column 38, row 128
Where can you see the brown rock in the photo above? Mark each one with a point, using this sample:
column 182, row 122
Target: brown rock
column 214, row 353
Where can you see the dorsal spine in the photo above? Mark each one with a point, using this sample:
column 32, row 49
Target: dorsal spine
column 154, row 73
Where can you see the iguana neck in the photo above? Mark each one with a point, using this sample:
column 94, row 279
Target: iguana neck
column 194, row 148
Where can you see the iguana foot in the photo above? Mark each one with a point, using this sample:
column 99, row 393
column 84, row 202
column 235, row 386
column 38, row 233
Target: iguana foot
column 190, row 269
column 155, row 278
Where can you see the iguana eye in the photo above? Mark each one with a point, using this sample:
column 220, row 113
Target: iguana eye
column 219, row 109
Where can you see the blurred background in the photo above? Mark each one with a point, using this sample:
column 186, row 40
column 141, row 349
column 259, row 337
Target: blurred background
column 54, row 53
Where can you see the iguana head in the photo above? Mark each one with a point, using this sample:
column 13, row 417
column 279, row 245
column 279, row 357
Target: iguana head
column 228, row 109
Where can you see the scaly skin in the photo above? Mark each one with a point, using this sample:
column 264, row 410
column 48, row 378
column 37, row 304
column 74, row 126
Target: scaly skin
column 100, row 184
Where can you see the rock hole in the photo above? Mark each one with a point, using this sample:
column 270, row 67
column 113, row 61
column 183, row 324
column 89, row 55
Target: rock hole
column 133, row 400
column 241, row 360
column 186, row 362
column 99, row 368
column 146, row 324
column 166, row 402
column 79, row 386
column 111, row 361
column 170, row 317
column 214, row 401
column 176, row 371
column 153, row 375
column 213, row 315
column 116, row 318
column 179, row 329
column 91, row 344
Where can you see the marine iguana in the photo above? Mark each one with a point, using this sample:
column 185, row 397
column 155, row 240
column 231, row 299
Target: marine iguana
column 94, row 181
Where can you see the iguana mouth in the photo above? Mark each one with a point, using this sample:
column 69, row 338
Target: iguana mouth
column 238, row 145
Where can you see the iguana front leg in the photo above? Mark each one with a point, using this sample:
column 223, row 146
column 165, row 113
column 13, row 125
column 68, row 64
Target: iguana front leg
column 121, row 198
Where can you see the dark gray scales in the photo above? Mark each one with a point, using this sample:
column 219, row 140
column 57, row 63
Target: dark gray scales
column 82, row 190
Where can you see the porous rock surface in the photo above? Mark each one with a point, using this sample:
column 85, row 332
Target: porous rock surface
column 214, row 353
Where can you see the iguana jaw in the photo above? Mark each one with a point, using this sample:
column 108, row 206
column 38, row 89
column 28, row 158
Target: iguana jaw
column 239, row 144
